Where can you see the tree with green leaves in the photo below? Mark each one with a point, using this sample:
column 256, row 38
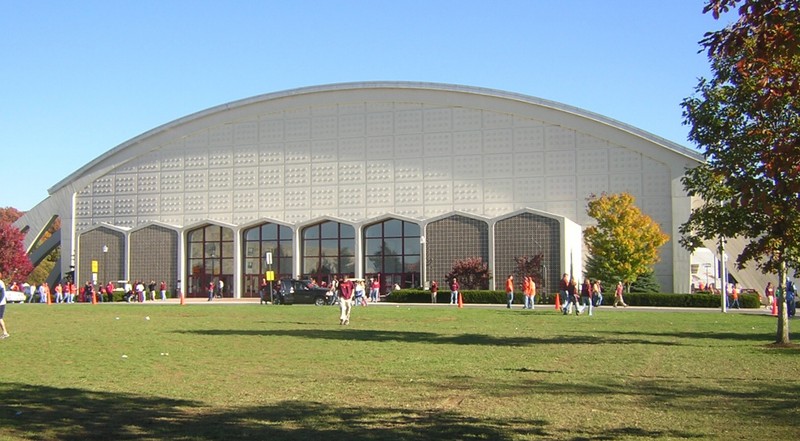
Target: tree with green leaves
column 746, row 119
column 624, row 243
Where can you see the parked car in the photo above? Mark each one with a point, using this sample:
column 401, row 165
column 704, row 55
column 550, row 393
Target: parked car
column 15, row 297
column 302, row 291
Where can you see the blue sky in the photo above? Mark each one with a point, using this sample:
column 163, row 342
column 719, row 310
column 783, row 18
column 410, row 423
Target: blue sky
column 79, row 78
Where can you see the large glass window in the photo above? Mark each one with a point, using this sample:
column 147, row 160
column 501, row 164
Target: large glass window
column 328, row 250
column 210, row 257
column 392, row 253
column 258, row 241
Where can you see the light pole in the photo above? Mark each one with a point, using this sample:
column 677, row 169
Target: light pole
column 105, row 252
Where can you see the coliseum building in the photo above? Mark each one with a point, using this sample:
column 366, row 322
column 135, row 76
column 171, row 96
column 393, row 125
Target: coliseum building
column 396, row 178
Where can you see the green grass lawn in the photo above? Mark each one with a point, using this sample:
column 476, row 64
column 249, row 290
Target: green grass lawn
column 207, row 372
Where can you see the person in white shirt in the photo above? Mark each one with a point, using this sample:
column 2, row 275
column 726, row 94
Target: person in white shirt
column 3, row 307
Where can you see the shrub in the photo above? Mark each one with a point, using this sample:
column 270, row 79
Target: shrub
column 637, row 299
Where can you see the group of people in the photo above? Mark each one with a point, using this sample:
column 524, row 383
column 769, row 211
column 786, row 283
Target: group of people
column 790, row 292
column 215, row 289
column 588, row 296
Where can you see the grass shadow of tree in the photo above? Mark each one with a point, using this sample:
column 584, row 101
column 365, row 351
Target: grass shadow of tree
column 346, row 334
column 41, row 412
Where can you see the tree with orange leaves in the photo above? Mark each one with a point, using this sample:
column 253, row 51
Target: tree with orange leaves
column 746, row 119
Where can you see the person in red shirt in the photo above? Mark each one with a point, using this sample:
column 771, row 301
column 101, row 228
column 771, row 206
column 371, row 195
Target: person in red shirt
column 454, row 291
column 374, row 289
column 163, row 288
column 434, row 291
column 345, row 300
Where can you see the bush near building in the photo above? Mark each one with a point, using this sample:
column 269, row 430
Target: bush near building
column 701, row 300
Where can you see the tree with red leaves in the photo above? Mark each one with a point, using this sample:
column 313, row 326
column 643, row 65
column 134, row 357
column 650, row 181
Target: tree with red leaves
column 14, row 263
column 747, row 121
column 472, row 273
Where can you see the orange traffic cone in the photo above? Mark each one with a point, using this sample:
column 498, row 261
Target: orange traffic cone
column 558, row 302
column 183, row 299
column 460, row 301
column 49, row 300
column 94, row 298
column 774, row 306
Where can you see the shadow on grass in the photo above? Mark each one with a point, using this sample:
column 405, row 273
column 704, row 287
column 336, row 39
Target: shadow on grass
column 699, row 337
column 40, row 412
column 346, row 334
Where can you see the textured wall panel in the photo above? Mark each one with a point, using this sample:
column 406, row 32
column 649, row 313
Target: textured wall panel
column 529, row 189
column 125, row 184
column 467, row 119
column 408, row 121
column 325, row 174
column 380, row 171
column 352, row 172
column 559, row 138
column 592, row 161
column 297, row 175
column 297, row 198
column 626, row 182
column 352, row 148
column 197, row 140
column 270, row 200
column 498, row 190
column 408, row 193
column 195, row 202
column 437, row 120
column 148, row 183
column 125, row 205
column 245, row 156
column 468, row 143
column 245, row 200
column 271, row 154
column 324, row 150
column 560, row 162
column 351, row 196
column 438, row 144
column 103, row 186
column 245, row 133
column 656, row 177
column 297, row 129
column 147, row 205
column 245, row 178
column 498, row 166
column 591, row 184
column 351, row 126
column 324, row 127
column 622, row 160
column 438, row 193
column 561, row 188
column 323, row 197
column 380, row 195
column 220, row 179
column 171, row 181
column 270, row 177
column 468, row 167
column 171, row 203
column 527, row 139
column 437, row 169
column 196, row 160
column 102, row 207
column 381, row 147
column 380, row 124
column 407, row 170
column 467, row 192
column 298, row 152
column 493, row 120
column 498, row 141
column 270, row 130
column 408, row 146
column 528, row 164
column 220, row 136
column 172, row 161
column 195, row 180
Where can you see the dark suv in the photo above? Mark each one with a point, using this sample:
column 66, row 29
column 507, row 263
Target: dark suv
column 302, row 291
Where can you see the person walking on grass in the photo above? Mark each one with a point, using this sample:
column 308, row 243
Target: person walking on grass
column 509, row 291
column 618, row 300
column 3, row 328
column 586, row 296
column 345, row 300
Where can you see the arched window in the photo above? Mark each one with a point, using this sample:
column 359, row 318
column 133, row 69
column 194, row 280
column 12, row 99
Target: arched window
column 210, row 259
column 328, row 250
column 392, row 252
column 258, row 241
